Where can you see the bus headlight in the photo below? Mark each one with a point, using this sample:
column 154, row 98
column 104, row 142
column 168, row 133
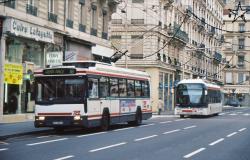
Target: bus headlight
column 41, row 118
column 77, row 118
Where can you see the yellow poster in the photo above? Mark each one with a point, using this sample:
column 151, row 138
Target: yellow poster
column 13, row 73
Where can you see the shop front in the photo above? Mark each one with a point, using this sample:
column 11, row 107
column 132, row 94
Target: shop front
column 25, row 50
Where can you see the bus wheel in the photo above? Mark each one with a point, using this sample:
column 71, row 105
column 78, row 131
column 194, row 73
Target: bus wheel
column 138, row 118
column 105, row 122
column 181, row 116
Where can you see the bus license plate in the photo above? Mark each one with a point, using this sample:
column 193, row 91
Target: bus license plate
column 58, row 123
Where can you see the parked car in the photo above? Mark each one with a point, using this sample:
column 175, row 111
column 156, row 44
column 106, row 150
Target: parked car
column 233, row 102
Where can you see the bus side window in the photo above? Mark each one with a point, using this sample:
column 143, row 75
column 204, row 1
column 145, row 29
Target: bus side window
column 93, row 88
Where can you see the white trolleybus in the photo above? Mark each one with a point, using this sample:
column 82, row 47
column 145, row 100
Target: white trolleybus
column 197, row 97
column 91, row 94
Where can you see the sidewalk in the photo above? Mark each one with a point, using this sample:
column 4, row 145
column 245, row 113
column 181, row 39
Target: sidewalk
column 9, row 130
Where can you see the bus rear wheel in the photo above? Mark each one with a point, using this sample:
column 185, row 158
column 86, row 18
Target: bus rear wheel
column 105, row 122
column 138, row 118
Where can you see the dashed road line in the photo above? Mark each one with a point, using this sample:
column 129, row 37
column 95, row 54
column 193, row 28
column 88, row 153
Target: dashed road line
column 123, row 129
column 55, row 140
column 106, row 147
column 231, row 134
column 5, row 143
column 217, row 141
column 3, row 149
column 242, row 129
column 148, row 125
column 233, row 114
column 194, row 153
column 43, row 136
column 222, row 114
column 143, row 138
column 86, row 135
column 66, row 157
column 189, row 127
column 176, row 130
column 177, row 120
column 165, row 122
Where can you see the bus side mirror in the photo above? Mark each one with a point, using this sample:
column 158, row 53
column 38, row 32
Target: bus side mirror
column 205, row 92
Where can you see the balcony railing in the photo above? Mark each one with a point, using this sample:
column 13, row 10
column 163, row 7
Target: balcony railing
column 31, row 10
column 104, row 35
column 241, row 46
column 52, row 17
column 93, row 31
column 178, row 33
column 82, row 28
column 241, row 64
column 217, row 56
column 69, row 23
column 11, row 4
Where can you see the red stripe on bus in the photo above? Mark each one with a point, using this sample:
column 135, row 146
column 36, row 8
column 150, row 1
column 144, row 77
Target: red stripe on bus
column 99, row 115
column 213, row 88
column 187, row 110
column 64, row 114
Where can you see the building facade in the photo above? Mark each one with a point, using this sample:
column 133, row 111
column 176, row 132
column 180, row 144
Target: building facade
column 36, row 34
column 237, row 53
column 170, row 40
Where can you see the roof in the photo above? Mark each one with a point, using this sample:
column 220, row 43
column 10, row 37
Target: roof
column 199, row 81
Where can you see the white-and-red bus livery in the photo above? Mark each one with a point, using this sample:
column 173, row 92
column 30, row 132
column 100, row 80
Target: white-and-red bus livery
column 90, row 94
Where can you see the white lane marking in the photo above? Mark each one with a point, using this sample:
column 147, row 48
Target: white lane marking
column 246, row 114
column 217, row 141
column 3, row 149
column 242, row 129
column 221, row 114
column 179, row 120
column 148, row 125
column 165, row 122
column 43, row 136
column 143, row 138
column 123, row 129
column 86, row 135
column 106, row 147
column 233, row 114
column 66, row 157
column 189, row 127
column 194, row 152
column 231, row 134
column 171, row 131
column 55, row 140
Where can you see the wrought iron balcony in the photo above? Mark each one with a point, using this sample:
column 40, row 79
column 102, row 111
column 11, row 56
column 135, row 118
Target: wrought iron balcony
column 69, row 23
column 82, row 28
column 217, row 57
column 52, row 17
column 93, row 31
column 31, row 10
column 175, row 30
column 104, row 35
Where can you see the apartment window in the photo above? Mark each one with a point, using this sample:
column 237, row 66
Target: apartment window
column 241, row 60
column 137, row 47
column 137, row 1
column 104, row 24
column 116, row 21
column 137, row 21
column 83, row 15
column 94, row 16
column 240, row 77
column 241, row 43
column 51, row 6
column 229, row 77
column 31, row 8
column 69, row 13
column 242, row 27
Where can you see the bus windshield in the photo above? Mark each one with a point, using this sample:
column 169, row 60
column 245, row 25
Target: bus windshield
column 52, row 90
column 190, row 95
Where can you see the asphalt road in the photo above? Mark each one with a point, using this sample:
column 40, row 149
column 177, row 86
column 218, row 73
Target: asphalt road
column 223, row 137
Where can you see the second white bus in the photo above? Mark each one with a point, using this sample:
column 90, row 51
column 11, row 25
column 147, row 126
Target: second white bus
column 197, row 97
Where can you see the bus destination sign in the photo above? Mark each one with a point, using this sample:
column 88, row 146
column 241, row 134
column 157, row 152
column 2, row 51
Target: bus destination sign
column 58, row 71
